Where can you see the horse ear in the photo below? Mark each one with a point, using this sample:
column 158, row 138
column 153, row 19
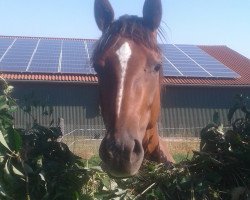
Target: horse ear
column 104, row 14
column 152, row 14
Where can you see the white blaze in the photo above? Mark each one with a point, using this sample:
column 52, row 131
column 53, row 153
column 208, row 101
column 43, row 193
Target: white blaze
column 124, row 54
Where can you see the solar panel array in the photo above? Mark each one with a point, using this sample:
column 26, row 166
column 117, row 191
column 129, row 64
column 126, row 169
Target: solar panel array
column 191, row 61
column 44, row 55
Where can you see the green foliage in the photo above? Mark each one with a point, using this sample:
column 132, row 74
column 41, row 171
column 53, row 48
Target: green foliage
column 34, row 165
column 30, row 101
column 180, row 157
column 220, row 170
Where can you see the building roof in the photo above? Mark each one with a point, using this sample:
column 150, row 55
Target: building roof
column 49, row 77
column 225, row 55
column 228, row 57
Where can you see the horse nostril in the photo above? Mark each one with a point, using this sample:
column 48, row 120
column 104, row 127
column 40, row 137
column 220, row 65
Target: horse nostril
column 137, row 148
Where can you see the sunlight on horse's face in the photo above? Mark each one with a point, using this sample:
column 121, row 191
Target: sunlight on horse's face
column 126, row 60
column 129, row 87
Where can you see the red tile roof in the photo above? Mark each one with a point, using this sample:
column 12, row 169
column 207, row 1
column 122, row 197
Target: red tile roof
column 49, row 77
column 225, row 55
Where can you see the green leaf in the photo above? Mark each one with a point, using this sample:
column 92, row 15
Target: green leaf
column 4, row 194
column 17, row 172
column 106, row 182
column 3, row 105
column 42, row 177
column 13, row 109
column 28, row 169
column 76, row 196
column 3, row 141
column 15, row 140
column 1, row 159
column 6, row 167
column 8, row 90
column 3, row 99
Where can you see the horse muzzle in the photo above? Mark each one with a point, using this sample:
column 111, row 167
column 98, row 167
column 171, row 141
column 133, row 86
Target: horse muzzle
column 121, row 157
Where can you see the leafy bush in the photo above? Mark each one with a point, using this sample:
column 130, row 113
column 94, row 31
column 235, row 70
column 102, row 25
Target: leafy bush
column 34, row 165
column 220, row 170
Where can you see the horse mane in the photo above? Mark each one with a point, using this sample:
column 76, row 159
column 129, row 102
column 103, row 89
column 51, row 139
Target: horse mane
column 131, row 27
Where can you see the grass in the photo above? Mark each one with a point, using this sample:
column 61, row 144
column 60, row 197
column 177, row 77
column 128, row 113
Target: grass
column 181, row 148
column 180, row 157
column 95, row 160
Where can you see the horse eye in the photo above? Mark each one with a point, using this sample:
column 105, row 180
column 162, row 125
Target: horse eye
column 98, row 68
column 158, row 67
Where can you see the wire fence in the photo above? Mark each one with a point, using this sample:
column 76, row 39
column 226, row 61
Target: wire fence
column 98, row 132
column 85, row 142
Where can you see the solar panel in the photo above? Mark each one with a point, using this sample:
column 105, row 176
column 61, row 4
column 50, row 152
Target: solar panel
column 191, row 61
column 5, row 43
column 74, row 57
column 206, row 63
column 178, row 64
column 18, row 55
column 45, row 55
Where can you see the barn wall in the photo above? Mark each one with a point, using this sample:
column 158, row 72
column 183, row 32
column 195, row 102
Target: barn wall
column 185, row 110
column 76, row 104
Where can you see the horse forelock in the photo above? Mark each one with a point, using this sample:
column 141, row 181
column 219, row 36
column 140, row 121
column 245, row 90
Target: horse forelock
column 127, row 26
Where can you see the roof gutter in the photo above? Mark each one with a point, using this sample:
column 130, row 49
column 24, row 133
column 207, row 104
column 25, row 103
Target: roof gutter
column 164, row 84
column 48, row 81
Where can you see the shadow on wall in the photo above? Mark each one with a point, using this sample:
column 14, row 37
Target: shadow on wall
column 76, row 104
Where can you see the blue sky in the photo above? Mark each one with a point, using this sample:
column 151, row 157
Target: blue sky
column 209, row 22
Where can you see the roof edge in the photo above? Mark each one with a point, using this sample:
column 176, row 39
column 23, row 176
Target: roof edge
column 53, row 82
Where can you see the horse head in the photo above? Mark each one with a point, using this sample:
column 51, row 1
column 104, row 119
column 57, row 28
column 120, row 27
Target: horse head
column 127, row 60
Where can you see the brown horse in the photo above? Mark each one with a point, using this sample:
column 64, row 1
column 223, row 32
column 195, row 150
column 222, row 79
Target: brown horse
column 127, row 60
